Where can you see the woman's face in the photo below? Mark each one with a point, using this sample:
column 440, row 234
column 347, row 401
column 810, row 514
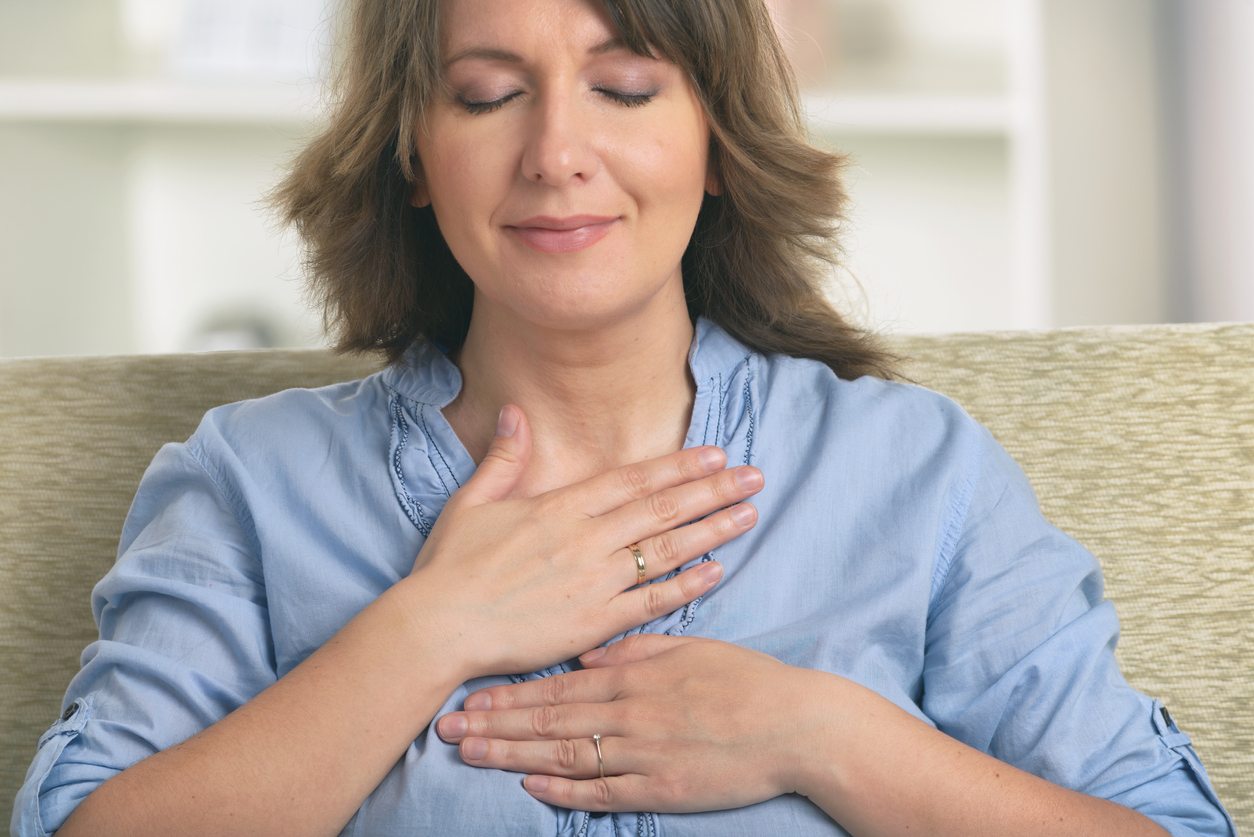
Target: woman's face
column 566, row 172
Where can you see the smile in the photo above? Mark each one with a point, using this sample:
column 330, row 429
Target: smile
column 563, row 235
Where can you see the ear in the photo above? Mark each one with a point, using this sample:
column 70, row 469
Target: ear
column 420, row 197
column 713, row 179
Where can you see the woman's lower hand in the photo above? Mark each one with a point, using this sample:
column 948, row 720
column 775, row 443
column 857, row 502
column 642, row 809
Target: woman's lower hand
column 516, row 584
column 686, row 724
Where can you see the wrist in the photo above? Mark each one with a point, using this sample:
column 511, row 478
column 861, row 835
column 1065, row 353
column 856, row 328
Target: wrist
column 428, row 623
column 825, row 707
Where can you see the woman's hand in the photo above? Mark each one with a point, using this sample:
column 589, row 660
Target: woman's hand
column 512, row 585
column 686, row 724
column 700, row 725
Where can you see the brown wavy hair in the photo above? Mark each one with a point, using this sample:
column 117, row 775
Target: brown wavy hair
column 758, row 256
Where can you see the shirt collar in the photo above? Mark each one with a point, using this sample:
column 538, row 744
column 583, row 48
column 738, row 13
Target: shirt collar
column 427, row 376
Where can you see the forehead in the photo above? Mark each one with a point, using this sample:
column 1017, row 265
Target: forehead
column 524, row 26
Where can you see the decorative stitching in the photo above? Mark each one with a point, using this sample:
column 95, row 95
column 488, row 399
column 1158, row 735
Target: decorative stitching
column 408, row 503
column 431, row 445
column 749, row 407
column 718, row 417
column 705, row 432
column 583, row 829
column 690, row 609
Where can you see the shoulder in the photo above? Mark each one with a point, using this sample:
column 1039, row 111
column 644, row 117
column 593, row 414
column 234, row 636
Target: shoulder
column 869, row 414
column 292, row 426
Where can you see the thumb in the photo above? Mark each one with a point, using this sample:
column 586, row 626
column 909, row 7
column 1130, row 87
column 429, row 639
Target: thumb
column 633, row 649
column 508, row 455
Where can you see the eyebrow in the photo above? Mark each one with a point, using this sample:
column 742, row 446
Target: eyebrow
column 493, row 54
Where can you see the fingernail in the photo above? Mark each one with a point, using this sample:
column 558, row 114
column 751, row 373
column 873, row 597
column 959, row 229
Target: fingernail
column 749, row 478
column 712, row 459
column 711, row 571
column 452, row 726
column 744, row 514
column 478, row 702
column 474, row 748
column 536, row 784
column 594, row 654
column 507, row 422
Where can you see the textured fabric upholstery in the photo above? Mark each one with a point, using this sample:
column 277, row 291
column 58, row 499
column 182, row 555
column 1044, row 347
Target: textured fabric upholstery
column 75, row 436
column 1140, row 442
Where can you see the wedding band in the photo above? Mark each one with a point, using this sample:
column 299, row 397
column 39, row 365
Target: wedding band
column 596, row 739
column 635, row 550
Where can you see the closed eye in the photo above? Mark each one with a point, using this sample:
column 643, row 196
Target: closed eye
column 631, row 100
column 485, row 107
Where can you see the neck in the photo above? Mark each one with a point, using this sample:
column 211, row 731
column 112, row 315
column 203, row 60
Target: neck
column 596, row 398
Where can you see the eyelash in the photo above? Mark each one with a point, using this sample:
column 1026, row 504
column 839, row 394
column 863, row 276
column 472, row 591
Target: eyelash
column 631, row 100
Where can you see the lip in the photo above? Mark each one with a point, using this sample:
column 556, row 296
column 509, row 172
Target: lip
column 547, row 234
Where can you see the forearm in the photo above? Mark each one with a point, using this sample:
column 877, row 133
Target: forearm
column 301, row 756
column 884, row 772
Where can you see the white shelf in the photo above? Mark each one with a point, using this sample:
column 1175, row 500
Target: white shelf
column 156, row 102
column 899, row 114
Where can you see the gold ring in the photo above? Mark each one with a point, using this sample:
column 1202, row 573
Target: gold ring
column 596, row 739
column 635, row 550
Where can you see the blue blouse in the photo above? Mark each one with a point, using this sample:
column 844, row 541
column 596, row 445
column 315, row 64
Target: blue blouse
column 897, row 545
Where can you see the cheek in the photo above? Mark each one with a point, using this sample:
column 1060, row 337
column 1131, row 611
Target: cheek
column 466, row 175
column 666, row 172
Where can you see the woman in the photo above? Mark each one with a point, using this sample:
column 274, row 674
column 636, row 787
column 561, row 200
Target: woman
column 595, row 243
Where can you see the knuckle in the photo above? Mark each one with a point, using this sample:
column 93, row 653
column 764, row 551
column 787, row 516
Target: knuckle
column 723, row 525
column 635, row 479
column 567, row 756
column 544, row 720
column 666, row 548
column 602, row 793
column 689, row 466
column 656, row 600
column 727, row 486
column 554, row 505
column 502, row 698
column 554, row 690
column 663, row 506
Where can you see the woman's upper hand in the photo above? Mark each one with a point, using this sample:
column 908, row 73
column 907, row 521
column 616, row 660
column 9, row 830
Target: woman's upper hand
column 701, row 725
column 512, row 585
column 686, row 724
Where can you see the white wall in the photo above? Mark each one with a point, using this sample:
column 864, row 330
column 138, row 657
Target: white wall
column 64, row 283
column 929, row 241
column 203, row 244
column 1215, row 39
column 1110, row 250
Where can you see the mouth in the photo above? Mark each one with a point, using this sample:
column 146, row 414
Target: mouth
column 546, row 234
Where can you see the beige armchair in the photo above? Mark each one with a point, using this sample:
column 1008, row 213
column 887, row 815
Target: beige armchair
column 1140, row 442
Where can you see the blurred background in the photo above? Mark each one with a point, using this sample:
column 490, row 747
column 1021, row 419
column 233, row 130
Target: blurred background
column 1016, row 164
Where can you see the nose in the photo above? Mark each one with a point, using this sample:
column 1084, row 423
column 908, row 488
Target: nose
column 559, row 146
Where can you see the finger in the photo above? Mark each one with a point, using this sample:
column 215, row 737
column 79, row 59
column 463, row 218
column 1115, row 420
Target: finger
column 574, row 758
column 664, row 510
column 538, row 723
column 575, row 687
column 507, row 456
column 651, row 601
column 605, row 492
column 633, row 649
column 663, row 553
column 613, row 793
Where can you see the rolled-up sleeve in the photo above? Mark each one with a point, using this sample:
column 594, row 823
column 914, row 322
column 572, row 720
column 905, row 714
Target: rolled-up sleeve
column 1020, row 663
column 184, row 639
